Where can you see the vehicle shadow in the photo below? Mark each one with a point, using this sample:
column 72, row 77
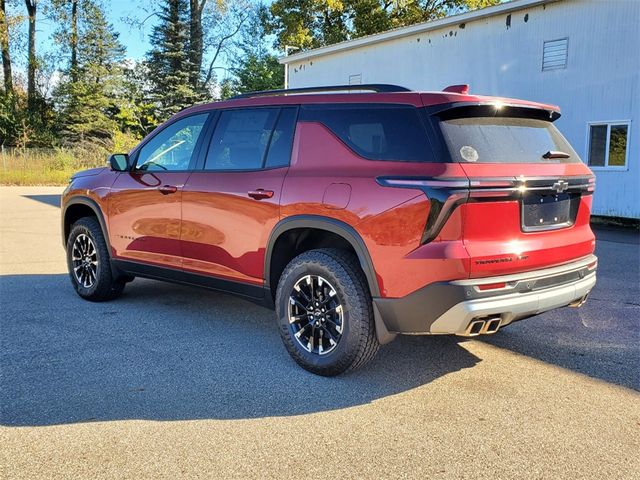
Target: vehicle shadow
column 601, row 339
column 53, row 200
column 166, row 352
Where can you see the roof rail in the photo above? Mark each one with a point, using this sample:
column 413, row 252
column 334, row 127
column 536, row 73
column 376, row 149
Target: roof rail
column 373, row 87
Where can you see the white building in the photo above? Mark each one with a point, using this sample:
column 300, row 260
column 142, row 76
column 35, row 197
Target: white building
column 583, row 55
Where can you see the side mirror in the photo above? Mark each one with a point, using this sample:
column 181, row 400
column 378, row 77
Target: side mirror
column 119, row 162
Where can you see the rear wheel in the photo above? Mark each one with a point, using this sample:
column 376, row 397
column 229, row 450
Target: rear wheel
column 325, row 313
column 89, row 263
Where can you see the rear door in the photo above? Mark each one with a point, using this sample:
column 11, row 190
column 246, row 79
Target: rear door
column 530, row 194
column 145, row 205
column 231, row 204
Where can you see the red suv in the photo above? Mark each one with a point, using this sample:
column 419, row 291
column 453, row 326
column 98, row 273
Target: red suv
column 357, row 216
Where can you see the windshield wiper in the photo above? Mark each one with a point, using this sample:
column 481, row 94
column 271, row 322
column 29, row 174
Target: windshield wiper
column 553, row 154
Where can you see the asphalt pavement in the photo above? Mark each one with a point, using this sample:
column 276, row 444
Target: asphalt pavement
column 171, row 382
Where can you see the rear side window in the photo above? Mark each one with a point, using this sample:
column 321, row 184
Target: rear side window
column 240, row 139
column 506, row 140
column 375, row 132
column 279, row 153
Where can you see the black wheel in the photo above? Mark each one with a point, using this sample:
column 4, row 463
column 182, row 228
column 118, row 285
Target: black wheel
column 88, row 262
column 325, row 312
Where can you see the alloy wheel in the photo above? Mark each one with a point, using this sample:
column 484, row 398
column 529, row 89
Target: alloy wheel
column 316, row 315
column 85, row 260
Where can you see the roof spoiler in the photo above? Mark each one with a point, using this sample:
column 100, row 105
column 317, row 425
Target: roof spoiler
column 462, row 89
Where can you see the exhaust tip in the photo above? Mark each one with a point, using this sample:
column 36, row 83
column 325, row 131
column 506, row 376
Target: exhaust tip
column 579, row 302
column 475, row 328
column 492, row 325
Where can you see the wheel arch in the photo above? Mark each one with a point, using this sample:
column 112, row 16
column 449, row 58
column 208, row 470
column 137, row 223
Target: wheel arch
column 330, row 225
column 76, row 208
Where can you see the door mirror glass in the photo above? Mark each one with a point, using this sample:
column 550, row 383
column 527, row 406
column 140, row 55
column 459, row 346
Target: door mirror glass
column 119, row 162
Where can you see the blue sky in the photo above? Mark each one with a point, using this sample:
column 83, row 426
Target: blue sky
column 135, row 40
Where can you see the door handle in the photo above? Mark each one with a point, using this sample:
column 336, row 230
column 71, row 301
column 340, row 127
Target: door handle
column 167, row 189
column 260, row 194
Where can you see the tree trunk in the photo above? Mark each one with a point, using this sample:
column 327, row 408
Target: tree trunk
column 6, row 57
column 32, row 63
column 195, row 41
column 74, row 41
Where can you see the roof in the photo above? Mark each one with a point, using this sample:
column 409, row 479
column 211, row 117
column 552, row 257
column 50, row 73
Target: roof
column 424, row 27
column 415, row 98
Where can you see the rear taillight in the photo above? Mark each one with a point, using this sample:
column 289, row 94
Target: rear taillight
column 444, row 195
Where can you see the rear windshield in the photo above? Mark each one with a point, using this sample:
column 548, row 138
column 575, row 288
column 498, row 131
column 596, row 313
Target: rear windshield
column 506, row 140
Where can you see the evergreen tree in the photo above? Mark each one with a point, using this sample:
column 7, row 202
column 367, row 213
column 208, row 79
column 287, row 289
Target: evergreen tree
column 169, row 60
column 86, row 97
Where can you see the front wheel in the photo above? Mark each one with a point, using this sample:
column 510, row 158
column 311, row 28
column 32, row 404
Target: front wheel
column 325, row 312
column 89, row 264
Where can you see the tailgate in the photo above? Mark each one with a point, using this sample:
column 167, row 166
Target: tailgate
column 529, row 216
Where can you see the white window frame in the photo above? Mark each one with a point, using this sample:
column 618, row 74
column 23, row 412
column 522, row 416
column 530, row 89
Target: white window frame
column 606, row 165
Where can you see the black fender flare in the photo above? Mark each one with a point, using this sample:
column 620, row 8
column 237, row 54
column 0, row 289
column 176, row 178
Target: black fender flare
column 330, row 225
column 93, row 205
column 350, row 235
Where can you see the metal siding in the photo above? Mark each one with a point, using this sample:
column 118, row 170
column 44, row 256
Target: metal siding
column 600, row 82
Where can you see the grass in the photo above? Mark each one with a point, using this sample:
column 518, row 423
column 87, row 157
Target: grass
column 46, row 166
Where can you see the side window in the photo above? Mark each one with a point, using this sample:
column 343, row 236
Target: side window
column 608, row 145
column 172, row 148
column 376, row 132
column 241, row 138
column 279, row 153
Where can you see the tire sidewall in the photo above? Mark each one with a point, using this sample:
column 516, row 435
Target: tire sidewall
column 346, row 350
column 80, row 228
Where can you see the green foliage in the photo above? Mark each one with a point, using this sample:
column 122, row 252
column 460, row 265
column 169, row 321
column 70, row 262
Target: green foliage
column 86, row 96
column 257, row 68
column 135, row 112
column 169, row 61
column 315, row 23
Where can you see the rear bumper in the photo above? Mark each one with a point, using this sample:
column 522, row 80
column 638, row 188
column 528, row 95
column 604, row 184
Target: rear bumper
column 466, row 307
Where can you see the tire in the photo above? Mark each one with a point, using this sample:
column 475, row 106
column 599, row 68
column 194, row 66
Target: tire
column 345, row 338
column 93, row 280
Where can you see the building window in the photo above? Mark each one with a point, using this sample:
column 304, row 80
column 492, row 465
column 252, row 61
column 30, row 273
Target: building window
column 608, row 145
column 554, row 54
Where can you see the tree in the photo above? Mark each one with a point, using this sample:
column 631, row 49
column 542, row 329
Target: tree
column 169, row 61
column 4, row 44
column 196, row 41
column 135, row 112
column 32, row 60
column 86, row 97
column 315, row 23
column 256, row 67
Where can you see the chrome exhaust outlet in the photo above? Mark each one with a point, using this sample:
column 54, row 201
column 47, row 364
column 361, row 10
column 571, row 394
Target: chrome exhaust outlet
column 475, row 328
column 579, row 302
column 492, row 325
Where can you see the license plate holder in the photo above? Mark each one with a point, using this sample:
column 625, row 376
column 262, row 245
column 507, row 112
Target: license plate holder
column 548, row 212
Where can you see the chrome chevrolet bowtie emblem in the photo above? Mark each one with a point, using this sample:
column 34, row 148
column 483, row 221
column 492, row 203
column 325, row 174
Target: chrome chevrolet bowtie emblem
column 560, row 186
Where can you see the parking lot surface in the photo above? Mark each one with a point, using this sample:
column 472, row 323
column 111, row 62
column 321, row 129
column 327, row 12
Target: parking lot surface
column 170, row 381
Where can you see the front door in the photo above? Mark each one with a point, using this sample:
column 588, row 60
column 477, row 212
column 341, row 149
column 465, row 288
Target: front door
column 233, row 203
column 145, row 205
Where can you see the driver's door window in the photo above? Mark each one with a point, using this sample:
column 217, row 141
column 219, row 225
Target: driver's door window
column 172, row 148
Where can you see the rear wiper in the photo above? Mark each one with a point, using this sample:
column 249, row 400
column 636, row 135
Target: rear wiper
column 554, row 154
